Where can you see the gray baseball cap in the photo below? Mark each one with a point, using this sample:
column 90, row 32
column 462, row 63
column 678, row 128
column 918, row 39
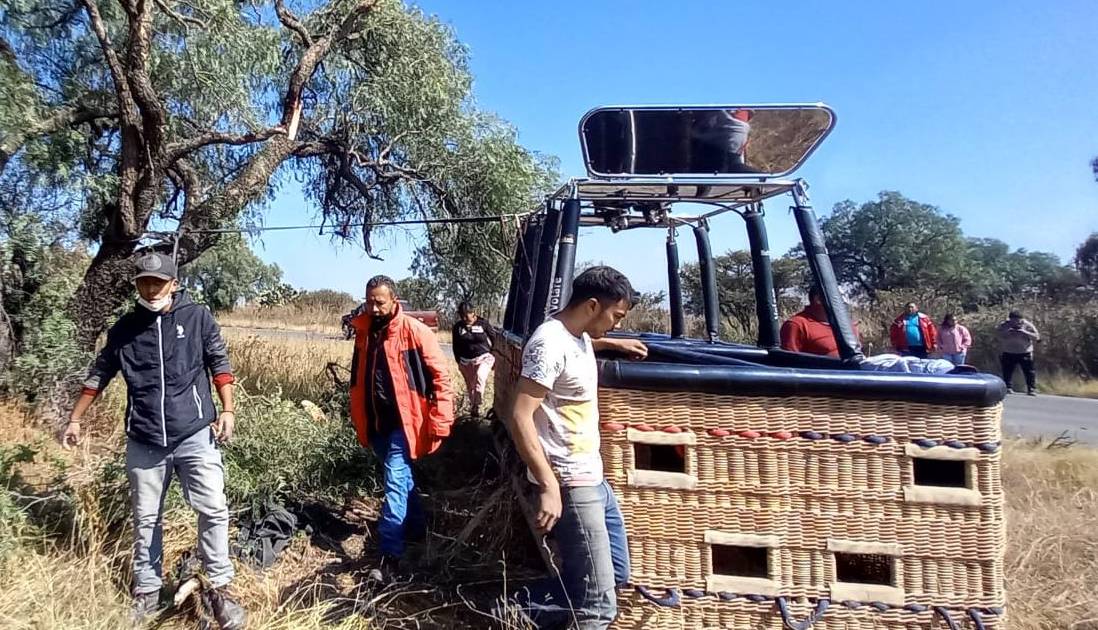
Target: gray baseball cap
column 154, row 265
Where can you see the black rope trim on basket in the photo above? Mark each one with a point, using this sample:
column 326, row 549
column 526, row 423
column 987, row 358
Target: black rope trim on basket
column 844, row 438
column 673, row 600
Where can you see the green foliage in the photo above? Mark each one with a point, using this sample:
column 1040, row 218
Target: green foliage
column 228, row 274
column 279, row 295
column 736, row 291
column 325, row 300
column 893, row 243
column 897, row 244
column 420, row 293
column 39, row 274
column 1086, row 258
column 15, row 523
column 280, row 452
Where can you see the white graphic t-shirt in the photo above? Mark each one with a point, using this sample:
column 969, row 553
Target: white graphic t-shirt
column 568, row 418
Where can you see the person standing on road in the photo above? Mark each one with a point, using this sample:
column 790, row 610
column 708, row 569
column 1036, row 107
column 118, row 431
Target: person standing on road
column 472, row 343
column 402, row 403
column 913, row 334
column 167, row 349
column 955, row 340
column 1016, row 338
column 555, row 426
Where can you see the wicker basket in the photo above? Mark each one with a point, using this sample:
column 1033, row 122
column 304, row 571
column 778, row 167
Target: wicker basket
column 888, row 514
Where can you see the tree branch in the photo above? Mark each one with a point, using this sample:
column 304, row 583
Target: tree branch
column 184, row 20
column 60, row 118
column 290, row 21
column 177, row 150
column 314, row 54
column 126, row 105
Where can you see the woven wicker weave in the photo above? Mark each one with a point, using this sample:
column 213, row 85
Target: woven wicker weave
column 806, row 478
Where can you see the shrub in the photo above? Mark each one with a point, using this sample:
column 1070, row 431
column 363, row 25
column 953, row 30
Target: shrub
column 281, row 452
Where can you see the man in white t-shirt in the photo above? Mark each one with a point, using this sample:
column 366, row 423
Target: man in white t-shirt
column 555, row 427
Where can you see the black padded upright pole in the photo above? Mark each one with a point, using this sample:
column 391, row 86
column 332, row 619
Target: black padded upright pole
column 539, row 299
column 516, row 271
column 766, row 303
column 566, row 256
column 528, row 276
column 674, row 288
column 815, row 249
column 708, row 283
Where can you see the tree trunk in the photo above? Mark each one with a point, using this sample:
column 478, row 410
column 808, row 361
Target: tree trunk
column 105, row 287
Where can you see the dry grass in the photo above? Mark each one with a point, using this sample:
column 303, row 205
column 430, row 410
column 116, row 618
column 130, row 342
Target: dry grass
column 1062, row 384
column 1052, row 552
column 295, row 366
column 304, row 318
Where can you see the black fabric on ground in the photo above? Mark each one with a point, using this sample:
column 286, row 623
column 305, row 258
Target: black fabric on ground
column 259, row 542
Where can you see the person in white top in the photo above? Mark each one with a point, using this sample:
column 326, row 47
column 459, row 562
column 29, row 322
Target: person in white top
column 555, row 427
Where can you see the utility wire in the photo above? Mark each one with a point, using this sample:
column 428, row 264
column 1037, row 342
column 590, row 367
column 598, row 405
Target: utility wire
column 276, row 228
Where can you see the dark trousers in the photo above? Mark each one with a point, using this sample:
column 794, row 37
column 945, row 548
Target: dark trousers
column 915, row 351
column 1009, row 360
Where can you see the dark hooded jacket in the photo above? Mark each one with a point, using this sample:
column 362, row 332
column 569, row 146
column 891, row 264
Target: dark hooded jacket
column 166, row 360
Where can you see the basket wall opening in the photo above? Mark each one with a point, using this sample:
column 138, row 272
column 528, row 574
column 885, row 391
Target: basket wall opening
column 660, row 457
column 738, row 561
column 859, row 568
column 940, row 473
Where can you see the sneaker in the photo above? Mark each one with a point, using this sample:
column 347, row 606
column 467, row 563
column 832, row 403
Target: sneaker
column 1031, row 392
column 145, row 607
column 228, row 613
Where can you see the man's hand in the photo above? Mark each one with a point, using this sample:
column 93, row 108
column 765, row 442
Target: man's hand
column 632, row 348
column 549, row 508
column 71, row 436
column 224, row 426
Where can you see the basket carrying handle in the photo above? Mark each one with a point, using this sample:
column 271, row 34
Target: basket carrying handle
column 806, row 623
column 670, row 601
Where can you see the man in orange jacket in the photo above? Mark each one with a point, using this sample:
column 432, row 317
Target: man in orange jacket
column 402, row 403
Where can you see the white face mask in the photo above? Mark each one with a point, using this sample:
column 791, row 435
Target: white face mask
column 157, row 305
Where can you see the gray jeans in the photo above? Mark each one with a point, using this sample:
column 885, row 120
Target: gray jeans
column 197, row 462
column 591, row 539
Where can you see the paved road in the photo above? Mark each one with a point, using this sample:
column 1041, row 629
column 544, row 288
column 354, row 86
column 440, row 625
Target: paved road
column 1049, row 416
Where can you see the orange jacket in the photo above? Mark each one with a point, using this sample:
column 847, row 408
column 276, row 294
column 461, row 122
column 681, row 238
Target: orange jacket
column 421, row 382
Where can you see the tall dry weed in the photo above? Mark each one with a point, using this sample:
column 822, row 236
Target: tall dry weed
column 1052, row 548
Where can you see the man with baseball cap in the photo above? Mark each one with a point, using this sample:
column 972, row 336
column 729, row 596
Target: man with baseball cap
column 167, row 350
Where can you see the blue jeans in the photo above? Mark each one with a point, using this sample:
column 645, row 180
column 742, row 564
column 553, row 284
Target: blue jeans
column 956, row 358
column 197, row 461
column 594, row 558
column 402, row 510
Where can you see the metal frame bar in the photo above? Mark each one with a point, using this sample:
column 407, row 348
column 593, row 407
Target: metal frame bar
column 766, row 304
column 708, row 282
column 674, row 287
column 528, row 276
column 539, row 300
column 566, row 255
column 819, row 262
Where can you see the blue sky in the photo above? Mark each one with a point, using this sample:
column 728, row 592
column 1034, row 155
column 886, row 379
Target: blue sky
column 988, row 110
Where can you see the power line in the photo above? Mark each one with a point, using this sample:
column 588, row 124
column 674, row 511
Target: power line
column 278, row 228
